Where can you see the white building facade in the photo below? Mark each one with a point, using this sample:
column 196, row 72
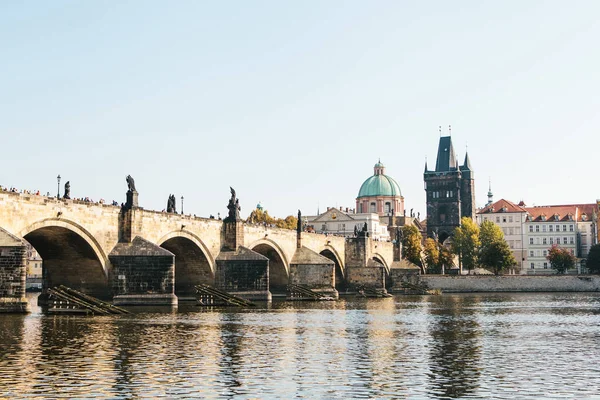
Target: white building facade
column 343, row 223
column 510, row 218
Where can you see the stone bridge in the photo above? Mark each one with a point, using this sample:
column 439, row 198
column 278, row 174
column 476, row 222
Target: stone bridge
column 75, row 240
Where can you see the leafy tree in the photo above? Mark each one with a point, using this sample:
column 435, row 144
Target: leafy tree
column 465, row 243
column 593, row 259
column 560, row 259
column 489, row 232
column 432, row 256
column 411, row 244
column 494, row 252
column 262, row 217
column 446, row 257
column 497, row 256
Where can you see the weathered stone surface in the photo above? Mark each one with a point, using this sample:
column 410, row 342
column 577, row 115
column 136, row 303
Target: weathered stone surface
column 369, row 277
column 313, row 271
column 403, row 271
column 13, row 266
column 142, row 270
column 243, row 273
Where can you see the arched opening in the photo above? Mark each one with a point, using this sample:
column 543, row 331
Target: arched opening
column 443, row 237
column 278, row 273
column 68, row 259
column 340, row 279
column 192, row 267
column 388, row 280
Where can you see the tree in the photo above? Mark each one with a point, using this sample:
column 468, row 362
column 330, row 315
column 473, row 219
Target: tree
column 432, row 256
column 465, row 243
column 262, row 217
column 560, row 259
column 411, row 244
column 494, row 252
column 593, row 259
column 497, row 256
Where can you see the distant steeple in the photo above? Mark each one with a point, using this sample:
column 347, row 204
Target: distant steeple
column 425, row 164
column 490, row 195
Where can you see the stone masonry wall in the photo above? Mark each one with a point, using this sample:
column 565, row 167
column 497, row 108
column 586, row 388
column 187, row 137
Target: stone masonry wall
column 315, row 276
column 372, row 277
column 12, row 272
column 242, row 275
column 513, row 283
column 143, row 275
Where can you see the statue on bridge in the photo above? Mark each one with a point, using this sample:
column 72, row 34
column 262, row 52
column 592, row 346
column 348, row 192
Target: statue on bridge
column 67, row 194
column 171, row 204
column 299, row 223
column 130, row 183
column 233, row 207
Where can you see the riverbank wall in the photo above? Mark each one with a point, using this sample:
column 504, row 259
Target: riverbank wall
column 512, row 283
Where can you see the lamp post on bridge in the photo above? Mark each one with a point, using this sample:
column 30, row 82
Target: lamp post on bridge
column 181, row 205
column 58, row 185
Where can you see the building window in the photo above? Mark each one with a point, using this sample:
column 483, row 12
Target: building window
column 545, row 265
column 544, row 241
column 537, row 228
column 564, row 228
column 557, row 240
column 564, row 240
column 570, row 228
column 543, row 228
column 388, row 207
column 545, row 253
column 530, row 253
column 551, row 240
column 550, row 228
column 485, row 218
column 532, row 265
column 510, row 218
column 557, row 228
column 373, row 209
column 530, row 240
column 511, row 231
column 324, row 227
column 498, row 220
column 572, row 240
column 530, row 228
column 504, row 219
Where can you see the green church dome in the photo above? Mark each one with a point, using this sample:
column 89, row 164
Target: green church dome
column 379, row 184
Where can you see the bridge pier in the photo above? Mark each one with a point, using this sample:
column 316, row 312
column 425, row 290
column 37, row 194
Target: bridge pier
column 361, row 270
column 313, row 271
column 239, row 270
column 143, row 274
column 13, row 272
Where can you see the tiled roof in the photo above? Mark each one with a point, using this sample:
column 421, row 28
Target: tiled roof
column 561, row 212
column 502, row 206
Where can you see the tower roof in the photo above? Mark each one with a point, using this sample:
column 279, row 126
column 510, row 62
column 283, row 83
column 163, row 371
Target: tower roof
column 446, row 158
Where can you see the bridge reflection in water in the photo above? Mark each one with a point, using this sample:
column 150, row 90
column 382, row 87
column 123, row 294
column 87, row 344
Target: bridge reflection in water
column 450, row 346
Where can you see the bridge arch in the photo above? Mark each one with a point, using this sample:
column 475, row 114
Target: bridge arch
column 70, row 254
column 380, row 259
column 193, row 262
column 279, row 266
column 331, row 253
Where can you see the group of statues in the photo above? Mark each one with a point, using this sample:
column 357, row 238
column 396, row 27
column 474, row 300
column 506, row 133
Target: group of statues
column 171, row 207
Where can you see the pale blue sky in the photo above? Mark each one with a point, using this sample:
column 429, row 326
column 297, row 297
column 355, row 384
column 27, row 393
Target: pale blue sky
column 292, row 103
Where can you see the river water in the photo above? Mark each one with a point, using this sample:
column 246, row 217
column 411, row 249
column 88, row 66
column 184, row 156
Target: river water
column 450, row 346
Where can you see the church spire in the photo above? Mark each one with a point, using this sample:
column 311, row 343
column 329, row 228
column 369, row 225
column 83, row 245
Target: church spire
column 490, row 195
column 467, row 164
